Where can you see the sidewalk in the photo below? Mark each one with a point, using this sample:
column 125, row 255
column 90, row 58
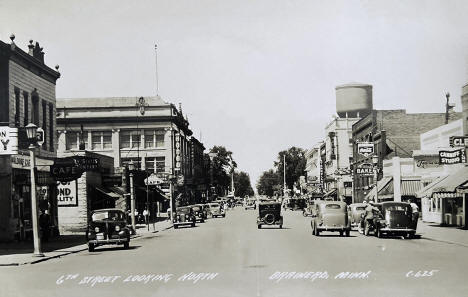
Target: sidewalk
column 20, row 253
column 446, row 234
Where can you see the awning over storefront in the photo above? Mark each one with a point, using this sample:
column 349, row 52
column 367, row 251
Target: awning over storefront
column 107, row 192
column 445, row 186
column 409, row 187
column 384, row 185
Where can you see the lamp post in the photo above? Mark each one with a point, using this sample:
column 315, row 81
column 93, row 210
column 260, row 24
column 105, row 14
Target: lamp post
column 375, row 161
column 31, row 132
column 131, row 168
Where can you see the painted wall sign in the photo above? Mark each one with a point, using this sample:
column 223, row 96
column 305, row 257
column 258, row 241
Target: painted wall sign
column 452, row 157
column 365, row 148
column 8, row 141
column 67, row 194
column 426, row 161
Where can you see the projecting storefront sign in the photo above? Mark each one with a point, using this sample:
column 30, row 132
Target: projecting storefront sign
column 452, row 157
column 153, row 179
column 459, row 141
column 71, row 168
column 365, row 148
column 8, row 141
column 67, row 194
column 365, row 169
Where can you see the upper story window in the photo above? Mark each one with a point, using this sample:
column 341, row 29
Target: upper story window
column 154, row 138
column 35, row 109
column 101, row 140
column 73, row 140
column 26, row 108
column 156, row 165
column 130, row 139
column 17, row 107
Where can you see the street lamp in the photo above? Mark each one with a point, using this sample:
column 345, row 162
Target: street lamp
column 131, row 168
column 31, row 133
column 375, row 161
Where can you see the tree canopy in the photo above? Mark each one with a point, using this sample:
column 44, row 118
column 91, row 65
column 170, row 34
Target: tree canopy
column 295, row 165
column 242, row 184
column 268, row 182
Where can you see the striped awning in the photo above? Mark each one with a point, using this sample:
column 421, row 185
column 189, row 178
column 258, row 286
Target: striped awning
column 410, row 187
column 446, row 186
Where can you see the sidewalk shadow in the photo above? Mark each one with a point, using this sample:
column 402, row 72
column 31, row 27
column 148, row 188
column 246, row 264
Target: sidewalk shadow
column 53, row 244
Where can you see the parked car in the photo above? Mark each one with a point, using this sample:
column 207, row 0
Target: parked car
column 250, row 204
column 216, row 210
column 206, row 210
column 198, row 213
column 269, row 213
column 356, row 210
column 107, row 226
column 184, row 216
column 330, row 216
column 397, row 220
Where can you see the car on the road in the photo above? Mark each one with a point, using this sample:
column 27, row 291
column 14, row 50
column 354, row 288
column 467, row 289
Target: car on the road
column 396, row 220
column 184, row 216
column 296, row 204
column 107, row 226
column 216, row 210
column 330, row 216
column 199, row 213
column 269, row 213
column 250, row 204
column 356, row 210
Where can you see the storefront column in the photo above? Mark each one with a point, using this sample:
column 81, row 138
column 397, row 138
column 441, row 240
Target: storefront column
column 396, row 179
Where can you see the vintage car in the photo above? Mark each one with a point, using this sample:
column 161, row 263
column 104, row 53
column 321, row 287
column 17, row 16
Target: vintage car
column 296, row 204
column 184, row 216
column 217, row 210
column 107, row 226
column 269, row 213
column 355, row 212
column 199, row 212
column 250, row 204
column 330, row 216
column 396, row 220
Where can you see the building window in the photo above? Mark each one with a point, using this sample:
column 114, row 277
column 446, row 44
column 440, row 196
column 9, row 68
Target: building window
column 51, row 127
column 136, row 162
column 35, row 110
column 149, row 139
column 71, row 140
column 155, row 165
column 160, row 164
column 154, row 138
column 130, row 139
column 101, row 140
column 348, row 184
column 17, row 107
column 26, row 108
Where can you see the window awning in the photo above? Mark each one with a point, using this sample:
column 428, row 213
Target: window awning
column 385, row 186
column 410, row 187
column 107, row 192
column 445, row 184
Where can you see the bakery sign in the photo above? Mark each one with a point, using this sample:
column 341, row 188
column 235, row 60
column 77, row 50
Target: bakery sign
column 365, row 169
column 452, row 157
column 365, row 148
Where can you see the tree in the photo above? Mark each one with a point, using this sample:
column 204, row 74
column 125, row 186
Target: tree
column 268, row 182
column 222, row 166
column 242, row 184
column 295, row 165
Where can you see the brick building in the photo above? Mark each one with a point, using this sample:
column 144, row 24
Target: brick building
column 27, row 95
column 393, row 133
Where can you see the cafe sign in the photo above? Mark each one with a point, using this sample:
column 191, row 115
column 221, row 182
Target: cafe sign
column 71, row 168
column 365, row 169
column 365, row 148
column 452, row 157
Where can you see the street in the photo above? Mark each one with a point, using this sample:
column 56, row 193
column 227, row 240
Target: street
column 231, row 257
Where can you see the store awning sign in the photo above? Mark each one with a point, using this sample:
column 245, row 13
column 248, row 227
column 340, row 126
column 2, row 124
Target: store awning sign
column 452, row 157
column 8, row 140
column 365, row 148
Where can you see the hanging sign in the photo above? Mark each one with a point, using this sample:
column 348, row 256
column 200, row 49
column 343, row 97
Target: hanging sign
column 153, row 179
column 8, row 141
column 365, row 169
column 365, row 148
column 71, row 168
column 452, row 157
column 459, row 141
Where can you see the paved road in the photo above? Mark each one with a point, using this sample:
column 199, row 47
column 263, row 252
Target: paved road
column 231, row 257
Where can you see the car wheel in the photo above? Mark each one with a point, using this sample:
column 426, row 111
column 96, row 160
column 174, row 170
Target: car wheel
column 378, row 233
column 175, row 226
column 317, row 232
column 90, row 247
column 347, row 233
column 202, row 221
column 193, row 225
column 304, row 213
column 126, row 245
column 224, row 215
column 281, row 226
column 259, row 226
column 341, row 233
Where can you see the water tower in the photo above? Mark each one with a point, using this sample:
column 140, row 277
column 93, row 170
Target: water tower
column 353, row 100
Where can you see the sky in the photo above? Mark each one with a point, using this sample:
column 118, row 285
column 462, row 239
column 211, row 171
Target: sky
column 256, row 76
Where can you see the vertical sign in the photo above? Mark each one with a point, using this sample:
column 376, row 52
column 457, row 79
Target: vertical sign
column 67, row 194
column 8, row 141
column 177, row 151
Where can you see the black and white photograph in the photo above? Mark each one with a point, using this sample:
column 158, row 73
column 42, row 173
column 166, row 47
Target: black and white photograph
column 263, row 148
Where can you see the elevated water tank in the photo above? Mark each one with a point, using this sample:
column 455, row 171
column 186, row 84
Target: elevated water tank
column 353, row 100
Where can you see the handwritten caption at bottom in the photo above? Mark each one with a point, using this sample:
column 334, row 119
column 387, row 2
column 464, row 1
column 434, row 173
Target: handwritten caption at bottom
column 93, row 280
column 317, row 275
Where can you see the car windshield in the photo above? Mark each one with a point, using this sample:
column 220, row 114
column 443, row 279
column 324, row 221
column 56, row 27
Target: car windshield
column 332, row 206
column 107, row 215
column 396, row 208
column 185, row 210
column 360, row 208
column 214, row 205
column 196, row 208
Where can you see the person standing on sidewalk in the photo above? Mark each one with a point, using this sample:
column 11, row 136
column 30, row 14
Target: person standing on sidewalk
column 146, row 215
column 415, row 213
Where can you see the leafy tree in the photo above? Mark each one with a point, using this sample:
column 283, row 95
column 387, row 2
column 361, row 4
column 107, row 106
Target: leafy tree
column 268, row 183
column 242, row 184
column 295, row 165
column 222, row 165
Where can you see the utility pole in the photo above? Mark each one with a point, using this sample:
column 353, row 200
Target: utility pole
column 447, row 108
column 284, row 175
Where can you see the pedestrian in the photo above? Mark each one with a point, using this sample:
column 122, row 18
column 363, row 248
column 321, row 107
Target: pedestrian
column 146, row 215
column 44, row 222
column 415, row 213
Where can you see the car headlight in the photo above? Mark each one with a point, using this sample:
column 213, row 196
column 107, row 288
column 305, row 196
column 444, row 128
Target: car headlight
column 117, row 228
column 96, row 229
column 186, row 216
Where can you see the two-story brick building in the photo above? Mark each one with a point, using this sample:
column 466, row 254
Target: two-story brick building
column 27, row 95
